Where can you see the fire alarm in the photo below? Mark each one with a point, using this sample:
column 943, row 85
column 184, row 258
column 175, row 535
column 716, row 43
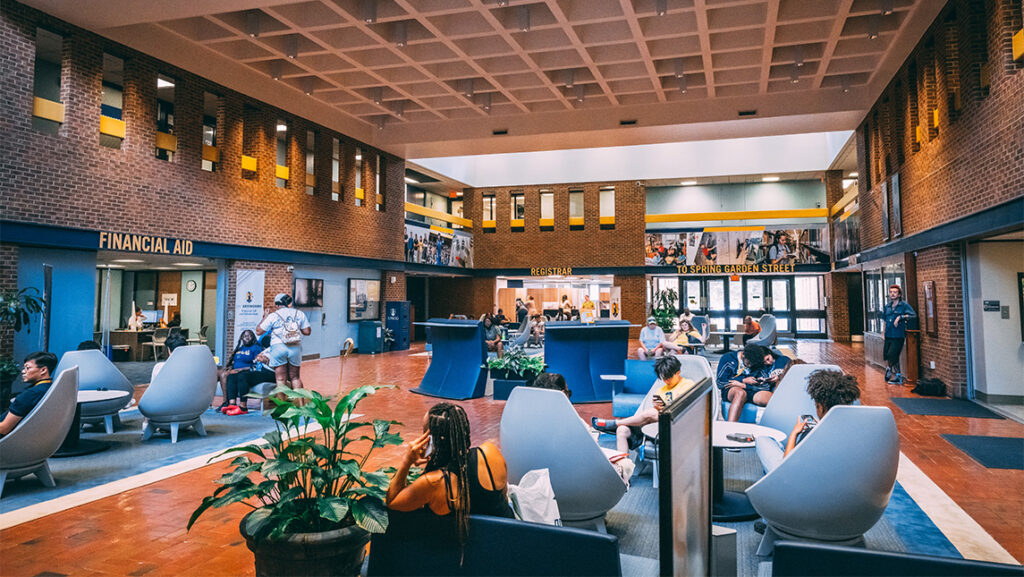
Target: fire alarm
column 393, row 279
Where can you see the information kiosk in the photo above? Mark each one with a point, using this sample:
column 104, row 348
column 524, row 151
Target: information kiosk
column 583, row 352
column 456, row 366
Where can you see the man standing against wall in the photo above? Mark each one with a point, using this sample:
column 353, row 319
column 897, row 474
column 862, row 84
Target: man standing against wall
column 896, row 314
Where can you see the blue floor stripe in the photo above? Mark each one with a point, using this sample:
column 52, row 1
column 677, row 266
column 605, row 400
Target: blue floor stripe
column 915, row 528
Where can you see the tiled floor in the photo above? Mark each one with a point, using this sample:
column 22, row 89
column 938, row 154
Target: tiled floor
column 142, row 531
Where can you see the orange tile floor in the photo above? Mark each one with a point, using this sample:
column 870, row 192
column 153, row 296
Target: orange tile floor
column 142, row 531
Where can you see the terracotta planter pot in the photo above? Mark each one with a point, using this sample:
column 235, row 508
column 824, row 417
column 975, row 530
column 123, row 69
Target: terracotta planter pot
column 337, row 552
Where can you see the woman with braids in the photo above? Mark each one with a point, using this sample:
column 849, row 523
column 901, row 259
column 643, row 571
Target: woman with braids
column 456, row 479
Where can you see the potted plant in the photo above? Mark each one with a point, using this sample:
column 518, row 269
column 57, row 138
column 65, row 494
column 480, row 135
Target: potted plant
column 16, row 310
column 314, row 505
column 664, row 308
column 515, row 368
column 389, row 338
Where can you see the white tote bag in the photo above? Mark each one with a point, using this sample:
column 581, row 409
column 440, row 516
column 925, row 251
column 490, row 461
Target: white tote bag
column 533, row 499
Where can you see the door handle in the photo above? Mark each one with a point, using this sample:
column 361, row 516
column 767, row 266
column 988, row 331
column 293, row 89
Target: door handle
column 323, row 319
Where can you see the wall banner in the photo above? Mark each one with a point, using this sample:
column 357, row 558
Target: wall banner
column 438, row 246
column 737, row 247
column 248, row 301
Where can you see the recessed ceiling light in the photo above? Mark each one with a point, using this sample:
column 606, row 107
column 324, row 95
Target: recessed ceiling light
column 770, row 178
column 853, row 175
column 162, row 268
column 127, row 260
column 688, row 183
column 111, row 266
column 186, row 264
column 163, row 83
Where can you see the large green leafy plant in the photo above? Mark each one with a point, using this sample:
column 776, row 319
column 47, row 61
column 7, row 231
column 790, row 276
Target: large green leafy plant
column 517, row 363
column 304, row 480
column 17, row 307
column 664, row 310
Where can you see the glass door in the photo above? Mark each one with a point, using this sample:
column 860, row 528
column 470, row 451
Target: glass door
column 693, row 296
column 781, row 303
column 736, row 309
column 809, row 306
column 716, row 303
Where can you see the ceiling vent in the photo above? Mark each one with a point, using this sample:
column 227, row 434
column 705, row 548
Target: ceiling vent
column 743, row 113
column 500, row 132
column 627, row 122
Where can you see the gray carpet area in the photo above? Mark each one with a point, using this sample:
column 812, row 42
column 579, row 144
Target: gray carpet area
column 137, row 373
column 635, row 521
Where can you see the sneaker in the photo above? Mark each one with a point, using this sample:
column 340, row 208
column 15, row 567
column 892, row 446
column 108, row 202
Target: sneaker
column 603, row 425
column 226, row 407
column 223, row 406
column 233, row 410
column 760, row 526
column 888, row 374
column 242, row 410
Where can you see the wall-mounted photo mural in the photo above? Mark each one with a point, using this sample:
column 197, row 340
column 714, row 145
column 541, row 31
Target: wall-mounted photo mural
column 426, row 245
column 740, row 247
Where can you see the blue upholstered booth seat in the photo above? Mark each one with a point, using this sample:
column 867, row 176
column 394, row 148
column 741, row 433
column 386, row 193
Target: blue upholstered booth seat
column 627, row 395
column 424, row 544
column 749, row 414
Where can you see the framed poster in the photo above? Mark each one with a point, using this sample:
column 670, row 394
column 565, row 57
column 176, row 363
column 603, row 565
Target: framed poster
column 363, row 300
column 897, row 210
column 1020, row 295
column 885, row 209
column 931, row 325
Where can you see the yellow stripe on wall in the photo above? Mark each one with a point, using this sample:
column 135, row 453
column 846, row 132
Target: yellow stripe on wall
column 739, row 215
column 607, row 220
column 517, row 223
column 249, row 163
column 489, row 224
column 841, row 204
column 575, row 221
column 211, row 153
column 731, row 228
column 112, row 126
column 547, row 222
column 438, row 215
column 281, row 172
column 166, row 141
column 360, row 194
column 442, row 229
column 48, row 109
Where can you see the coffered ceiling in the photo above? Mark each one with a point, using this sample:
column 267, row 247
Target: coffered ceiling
column 442, row 77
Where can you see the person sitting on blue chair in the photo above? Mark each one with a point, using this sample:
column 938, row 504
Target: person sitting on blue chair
column 749, row 375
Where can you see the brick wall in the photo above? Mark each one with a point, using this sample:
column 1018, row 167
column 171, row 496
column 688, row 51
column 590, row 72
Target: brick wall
column 8, row 282
column 460, row 296
column 393, row 291
column 590, row 247
column 276, row 279
column 71, row 180
column 941, row 264
column 974, row 158
column 634, row 300
column 837, row 312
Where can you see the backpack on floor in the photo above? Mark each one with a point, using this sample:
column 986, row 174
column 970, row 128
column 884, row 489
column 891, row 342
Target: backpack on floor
column 930, row 388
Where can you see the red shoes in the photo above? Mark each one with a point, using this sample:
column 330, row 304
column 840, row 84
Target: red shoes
column 232, row 410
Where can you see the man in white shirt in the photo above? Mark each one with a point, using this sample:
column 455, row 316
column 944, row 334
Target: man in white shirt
column 651, row 339
column 286, row 326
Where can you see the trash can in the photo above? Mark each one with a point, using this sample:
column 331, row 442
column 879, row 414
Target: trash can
column 120, row 353
column 371, row 337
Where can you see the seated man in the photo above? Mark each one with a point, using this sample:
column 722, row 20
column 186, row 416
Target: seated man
column 37, row 373
column 651, row 339
column 620, row 460
column 492, row 337
column 628, row 434
column 749, row 375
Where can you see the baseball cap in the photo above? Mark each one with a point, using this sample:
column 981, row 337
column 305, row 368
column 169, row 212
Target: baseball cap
column 280, row 299
column 651, row 320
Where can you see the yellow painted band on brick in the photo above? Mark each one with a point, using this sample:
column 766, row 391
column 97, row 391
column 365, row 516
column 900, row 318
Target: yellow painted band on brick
column 575, row 221
column 935, row 118
column 739, row 215
column 517, row 223
column 438, row 215
column 607, row 220
column 380, row 198
column 732, row 228
column 489, row 224
column 281, row 172
column 335, row 187
column 360, row 194
column 112, row 126
column 841, row 204
column 166, row 141
column 442, row 229
column 1018, row 45
column 211, row 153
column 48, row 109
column 917, row 134
column 249, row 163
column 310, row 179
column 844, row 216
column 547, row 222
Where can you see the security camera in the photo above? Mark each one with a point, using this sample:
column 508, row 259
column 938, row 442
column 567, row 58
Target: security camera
column 290, row 268
column 639, row 183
